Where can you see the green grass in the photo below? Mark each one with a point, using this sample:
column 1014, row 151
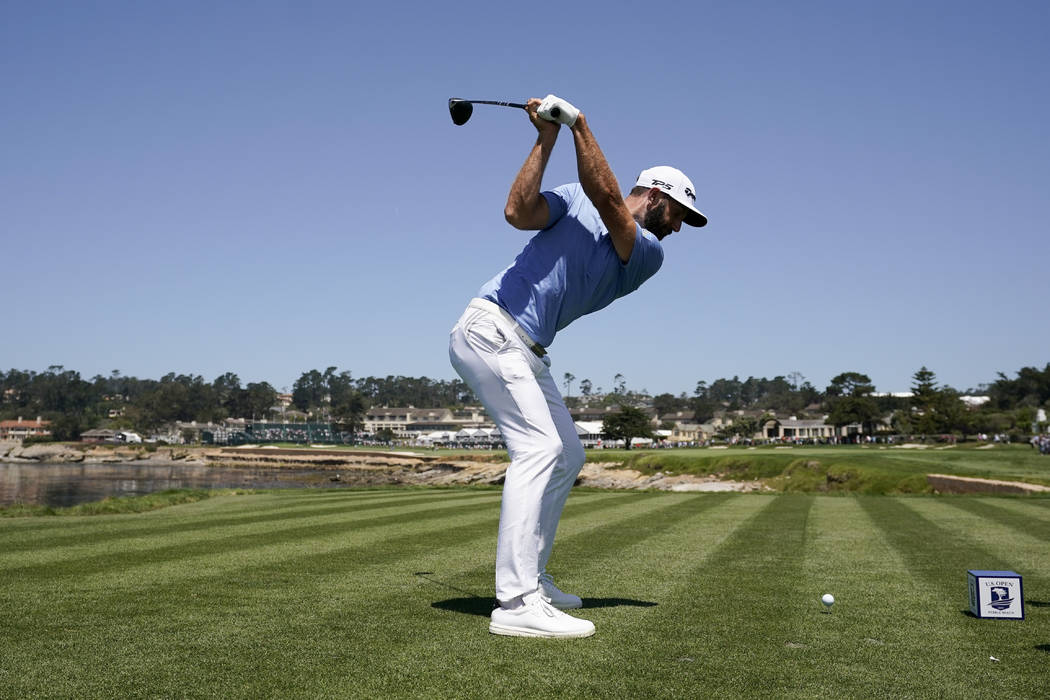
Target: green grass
column 322, row 594
column 858, row 469
column 120, row 504
column 870, row 469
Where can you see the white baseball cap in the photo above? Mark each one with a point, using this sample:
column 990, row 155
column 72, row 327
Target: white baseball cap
column 674, row 183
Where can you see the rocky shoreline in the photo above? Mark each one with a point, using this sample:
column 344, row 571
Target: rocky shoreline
column 62, row 453
column 361, row 467
column 372, row 468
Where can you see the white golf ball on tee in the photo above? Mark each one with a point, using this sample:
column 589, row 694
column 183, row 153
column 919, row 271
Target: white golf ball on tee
column 827, row 599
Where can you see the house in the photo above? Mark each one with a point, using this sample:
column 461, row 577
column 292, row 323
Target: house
column 590, row 413
column 598, row 413
column 802, row 429
column 684, row 432
column 21, row 429
column 98, row 435
column 710, row 430
column 414, row 423
column 192, row 432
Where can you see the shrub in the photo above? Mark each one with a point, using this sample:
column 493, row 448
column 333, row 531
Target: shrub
column 38, row 440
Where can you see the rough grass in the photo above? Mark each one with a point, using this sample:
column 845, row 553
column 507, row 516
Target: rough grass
column 120, row 504
column 385, row 593
column 860, row 469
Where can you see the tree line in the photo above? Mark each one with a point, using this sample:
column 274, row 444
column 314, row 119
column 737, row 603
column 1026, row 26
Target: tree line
column 74, row 404
column 851, row 399
column 1012, row 406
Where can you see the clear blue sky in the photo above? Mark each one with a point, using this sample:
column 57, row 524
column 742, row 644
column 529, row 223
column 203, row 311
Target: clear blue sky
column 268, row 188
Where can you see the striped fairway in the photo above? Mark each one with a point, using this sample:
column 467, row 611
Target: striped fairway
column 386, row 593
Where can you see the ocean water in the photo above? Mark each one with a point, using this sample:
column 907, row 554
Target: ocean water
column 60, row 485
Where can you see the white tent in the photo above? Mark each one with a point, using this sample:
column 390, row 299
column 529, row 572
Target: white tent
column 590, row 432
column 467, row 434
column 438, row 436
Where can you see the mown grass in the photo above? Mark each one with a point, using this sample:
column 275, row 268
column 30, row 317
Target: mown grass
column 386, row 592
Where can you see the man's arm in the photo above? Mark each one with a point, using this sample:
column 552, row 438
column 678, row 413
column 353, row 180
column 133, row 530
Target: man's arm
column 526, row 208
column 600, row 186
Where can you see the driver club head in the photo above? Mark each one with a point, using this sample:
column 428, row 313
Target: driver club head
column 460, row 110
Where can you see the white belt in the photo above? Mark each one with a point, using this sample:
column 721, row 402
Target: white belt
column 486, row 305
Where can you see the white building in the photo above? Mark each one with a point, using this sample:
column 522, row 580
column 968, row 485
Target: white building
column 413, row 423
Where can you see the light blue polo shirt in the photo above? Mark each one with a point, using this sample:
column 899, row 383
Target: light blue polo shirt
column 570, row 268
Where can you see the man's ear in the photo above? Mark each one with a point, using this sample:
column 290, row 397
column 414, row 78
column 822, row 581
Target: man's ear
column 653, row 197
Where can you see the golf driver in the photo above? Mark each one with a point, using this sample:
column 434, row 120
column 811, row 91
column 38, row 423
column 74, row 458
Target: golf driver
column 461, row 109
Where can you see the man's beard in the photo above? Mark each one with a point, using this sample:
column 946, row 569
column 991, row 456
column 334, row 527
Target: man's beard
column 655, row 221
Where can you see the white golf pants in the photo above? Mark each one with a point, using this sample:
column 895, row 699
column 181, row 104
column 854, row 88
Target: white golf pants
column 517, row 390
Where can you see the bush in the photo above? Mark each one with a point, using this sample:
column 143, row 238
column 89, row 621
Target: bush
column 809, row 476
column 38, row 440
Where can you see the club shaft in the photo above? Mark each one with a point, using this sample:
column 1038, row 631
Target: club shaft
column 554, row 112
column 492, row 102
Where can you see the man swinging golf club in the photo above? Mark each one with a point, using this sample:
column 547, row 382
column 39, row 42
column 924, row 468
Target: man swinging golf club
column 593, row 246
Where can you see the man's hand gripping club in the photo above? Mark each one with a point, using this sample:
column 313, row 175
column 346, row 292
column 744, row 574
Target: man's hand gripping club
column 555, row 109
column 527, row 209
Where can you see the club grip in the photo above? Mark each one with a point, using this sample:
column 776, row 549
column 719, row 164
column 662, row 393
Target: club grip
column 556, row 112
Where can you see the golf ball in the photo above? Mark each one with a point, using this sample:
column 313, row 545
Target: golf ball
column 827, row 599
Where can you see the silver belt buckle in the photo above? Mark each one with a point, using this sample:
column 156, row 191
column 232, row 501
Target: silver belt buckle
column 531, row 344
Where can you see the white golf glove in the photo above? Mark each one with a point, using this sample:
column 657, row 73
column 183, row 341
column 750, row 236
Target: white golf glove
column 566, row 112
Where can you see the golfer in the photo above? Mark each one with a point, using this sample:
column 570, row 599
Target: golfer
column 593, row 246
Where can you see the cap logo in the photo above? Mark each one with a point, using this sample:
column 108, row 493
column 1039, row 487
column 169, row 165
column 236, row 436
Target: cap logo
column 668, row 186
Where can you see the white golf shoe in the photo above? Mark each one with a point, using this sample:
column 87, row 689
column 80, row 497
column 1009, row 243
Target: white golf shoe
column 557, row 597
column 537, row 618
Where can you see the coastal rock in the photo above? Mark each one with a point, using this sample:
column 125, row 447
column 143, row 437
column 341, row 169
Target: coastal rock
column 608, row 476
column 424, row 468
column 46, row 453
